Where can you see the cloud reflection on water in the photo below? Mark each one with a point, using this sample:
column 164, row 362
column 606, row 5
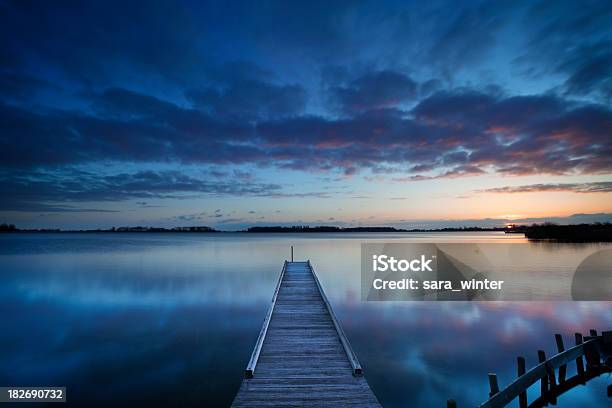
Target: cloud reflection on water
column 171, row 320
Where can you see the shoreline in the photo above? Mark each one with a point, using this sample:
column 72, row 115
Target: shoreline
column 577, row 233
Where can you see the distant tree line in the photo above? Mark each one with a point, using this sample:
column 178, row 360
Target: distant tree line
column 321, row 228
column 10, row 228
column 327, row 228
column 4, row 227
column 157, row 229
column 598, row 232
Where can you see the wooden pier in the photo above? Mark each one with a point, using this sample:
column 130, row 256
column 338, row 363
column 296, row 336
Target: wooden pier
column 302, row 357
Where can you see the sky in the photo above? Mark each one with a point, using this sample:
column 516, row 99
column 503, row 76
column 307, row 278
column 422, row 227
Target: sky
column 349, row 113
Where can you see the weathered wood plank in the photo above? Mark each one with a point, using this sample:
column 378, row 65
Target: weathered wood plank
column 303, row 357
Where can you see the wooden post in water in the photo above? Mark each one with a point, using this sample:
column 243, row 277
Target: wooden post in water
column 544, row 381
column 451, row 404
column 561, row 349
column 579, row 360
column 521, row 370
column 591, row 355
column 493, row 384
column 291, row 253
column 552, row 384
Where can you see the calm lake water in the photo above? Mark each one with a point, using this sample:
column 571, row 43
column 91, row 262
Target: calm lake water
column 129, row 320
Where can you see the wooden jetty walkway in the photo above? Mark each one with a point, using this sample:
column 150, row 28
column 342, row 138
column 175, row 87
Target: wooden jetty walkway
column 302, row 357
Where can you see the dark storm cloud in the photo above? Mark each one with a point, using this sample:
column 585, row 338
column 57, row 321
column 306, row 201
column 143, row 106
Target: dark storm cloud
column 19, row 86
column 375, row 90
column 590, row 71
column 192, row 44
column 594, row 187
column 50, row 192
column 524, row 135
column 129, row 127
column 459, row 171
column 454, row 133
column 446, row 133
column 161, row 184
column 573, row 39
column 466, row 34
column 94, row 42
column 250, row 99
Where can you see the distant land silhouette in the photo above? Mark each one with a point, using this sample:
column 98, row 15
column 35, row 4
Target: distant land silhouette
column 8, row 228
column 325, row 228
column 597, row 232
column 265, row 229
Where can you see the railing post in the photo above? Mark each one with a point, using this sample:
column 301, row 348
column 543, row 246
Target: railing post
column 606, row 342
column 592, row 358
column 591, row 355
column 544, row 380
column 552, row 397
column 291, row 253
column 521, row 370
column 561, row 349
column 579, row 360
column 493, row 384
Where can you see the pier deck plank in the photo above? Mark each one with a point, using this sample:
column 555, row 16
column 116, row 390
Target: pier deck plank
column 302, row 361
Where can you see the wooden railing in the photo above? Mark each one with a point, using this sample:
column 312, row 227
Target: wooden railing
column 250, row 370
column 352, row 357
column 595, row 350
